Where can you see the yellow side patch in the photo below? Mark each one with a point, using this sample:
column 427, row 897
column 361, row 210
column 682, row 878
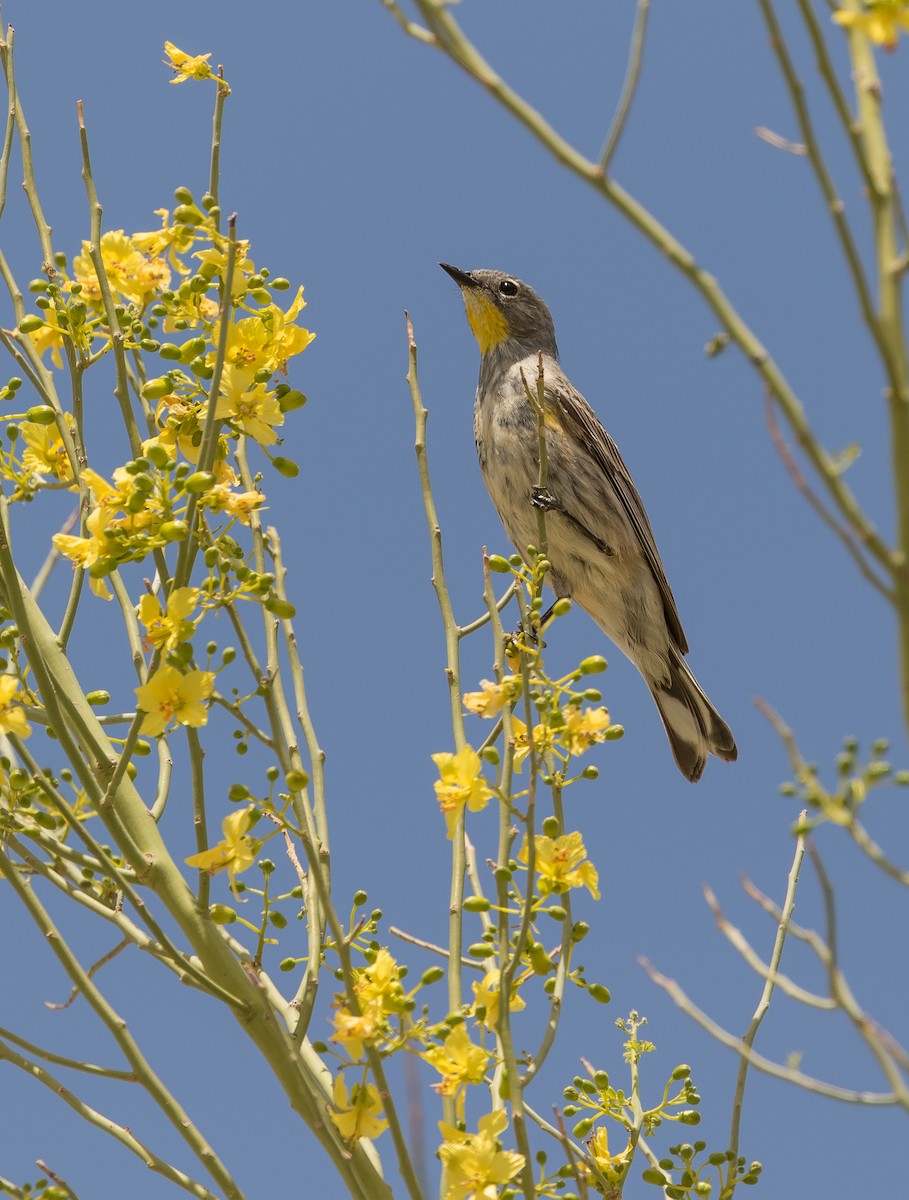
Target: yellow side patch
column 486, row 320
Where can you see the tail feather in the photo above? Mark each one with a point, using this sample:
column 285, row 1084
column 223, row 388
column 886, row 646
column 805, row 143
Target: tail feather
column 693, row 726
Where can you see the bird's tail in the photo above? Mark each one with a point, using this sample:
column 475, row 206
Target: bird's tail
column 693, row 726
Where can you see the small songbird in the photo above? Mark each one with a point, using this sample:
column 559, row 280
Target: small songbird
column 599, row 539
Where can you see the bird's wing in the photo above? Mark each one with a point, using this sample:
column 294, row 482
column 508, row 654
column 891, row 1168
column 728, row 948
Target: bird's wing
column 582, row 425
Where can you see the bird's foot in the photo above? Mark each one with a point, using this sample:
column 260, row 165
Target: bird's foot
column 541, row 497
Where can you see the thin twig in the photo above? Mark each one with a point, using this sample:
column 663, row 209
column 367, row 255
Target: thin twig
column 632, row 78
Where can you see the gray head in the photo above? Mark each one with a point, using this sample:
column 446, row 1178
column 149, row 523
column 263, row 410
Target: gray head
column 508, row 318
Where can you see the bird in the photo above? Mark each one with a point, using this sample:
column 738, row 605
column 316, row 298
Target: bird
column 600, row 544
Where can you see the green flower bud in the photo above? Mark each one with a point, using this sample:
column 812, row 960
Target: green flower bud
column 31, row 323
column 499, row 564
column 222, row 915
column 599, row 993
column 101, row 567
column 561, row 607
column 198, row 482
column 601, row 1079
column 187, row 213
column 237, row 792
column 551, row 827
column 297, row 780
column 491, row 755
column 158, row 457
column 174, row 531
column 579, row 931
column 192, row 349
column 170, row 350
column 43, row 303
column 583, row 1127
column 652, row 1175
column 183, row 195
column 291, row 401
column 614, row 732
column 141, row 749
column 280, row 608
column 286, row 467
column 277, row 919
column 280, row 284
column 689, row 1117
column 97, row 699
column 287, row 964
column 476, row 904
column 433, row 975
column 481, row 950
column 590, row 772
column 156, row 388
column 681, row 1072
column 41, row 414
column 207, row 201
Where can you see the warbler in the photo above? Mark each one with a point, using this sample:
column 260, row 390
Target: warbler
column 599, row 541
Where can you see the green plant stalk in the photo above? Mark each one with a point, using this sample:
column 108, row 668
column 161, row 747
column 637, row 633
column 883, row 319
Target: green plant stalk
column 763, row 1005
column 304, row 1000
column 208, row 447
column 25, row 141
column 121, row 1134
column 453, row 675
column 504, row 881
column 121, row 388
column 884, row 208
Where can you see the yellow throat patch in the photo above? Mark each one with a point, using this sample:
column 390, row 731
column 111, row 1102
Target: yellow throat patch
column 486, row 320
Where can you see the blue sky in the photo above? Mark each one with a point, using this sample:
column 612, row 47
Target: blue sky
column 356, row 160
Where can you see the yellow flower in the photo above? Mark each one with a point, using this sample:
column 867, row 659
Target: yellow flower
column 188, row 66
column 882, row 21
column 353, row 1029
column 486, row 996
column 379, row 984
column 235, row 852
column 459, row 1062
column 543, row 741
column 83, row 551
column 45, row 452
column 250, row 407
column 560, row 864
column 169, row 696
column 476, row 1163
column 611, row 1165
column 494, row 696
column 360, row 1116
column 583, row 729
column 176, row 239
column 460, row 784
column 128, row 271
column 238, row 504
column 168, row 630
column 12, row 716
column 214, row 262
column 267, row 339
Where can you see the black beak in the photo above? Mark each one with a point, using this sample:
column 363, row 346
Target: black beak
column 461, row 278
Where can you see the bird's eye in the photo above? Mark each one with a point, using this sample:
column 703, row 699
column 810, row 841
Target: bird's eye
column 508, row 287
